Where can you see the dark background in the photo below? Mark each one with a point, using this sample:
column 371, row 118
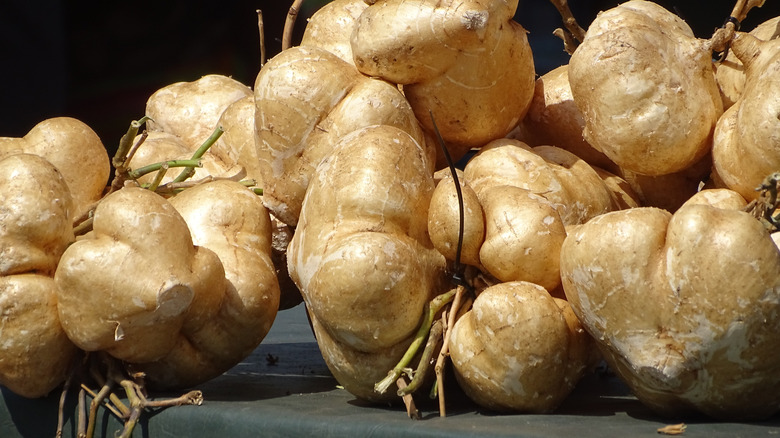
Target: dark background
column 99, row 61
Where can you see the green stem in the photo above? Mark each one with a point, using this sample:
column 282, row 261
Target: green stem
column 158, row 177
column 199, row 153
column 141, row 171
column 97, row 400
column 431, row 309
column 136, row 406
column 126, row 142
column 437, row 330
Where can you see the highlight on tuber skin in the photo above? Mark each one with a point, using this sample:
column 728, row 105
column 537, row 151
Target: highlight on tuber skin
column 708, row 282
column 137, row 308
column 203, row 306
column 191, row 110
column 230, row 220
column 553, row 119
column 330, row 27
column 646, row 89
column 746, row 147
column 361, row 255
column 35, row 228
column 74, row 149
column 517, row 349
column 730, row 72
column 299, row 118
column 467, row 62
column 572, row 186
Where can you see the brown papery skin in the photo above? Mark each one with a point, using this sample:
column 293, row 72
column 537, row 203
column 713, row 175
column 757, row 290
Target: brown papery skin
column 226, row 218
column 300, row 116
column 35, row 228
column 707, row 281
column 468, row 63
column 646, row 88
column 747, row 138
column 142, row 276
column 191, row 110
column 74, row 149
column 361, row 255
column 517, row 350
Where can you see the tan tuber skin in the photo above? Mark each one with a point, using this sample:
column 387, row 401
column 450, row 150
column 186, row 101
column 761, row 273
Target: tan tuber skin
column 746, row 147
column 236, row 149
column 519, row 349
column 444, row 221
column 683, row 306
column 161, row 146
column 569, row 183
column 299, row 117
column 518, row 202
column 637, row 72
column 467, row 62
column 230, row 220
column 74, row 149
column 181, row 300
column 142, row 276
column 669, row 191
column 35, row 228
column 361, row 255
column 554, row 119
column 721, row 198
column 523, row 237
column 731, row 72
column 330, row 28
column 236, row 146
column 191, row 110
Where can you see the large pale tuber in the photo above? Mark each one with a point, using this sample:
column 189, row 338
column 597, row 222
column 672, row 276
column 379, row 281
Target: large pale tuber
column 74, row 149
column 35, row 228
column 573, row 187
column 468, row 63
column 191, row 110
column 747, row 138
column 684, row 307
column 519, row 349
column 331, row 27
column 646, row 88
column 227, row 218
column 306, row 99
column 142, row 277
column 731, row 72
column 182, row 313
column 361, row 255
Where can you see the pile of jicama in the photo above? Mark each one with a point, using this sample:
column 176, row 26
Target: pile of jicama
column 620, row 209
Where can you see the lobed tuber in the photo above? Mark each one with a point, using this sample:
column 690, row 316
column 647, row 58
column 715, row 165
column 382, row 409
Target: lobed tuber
column 35, row 228
column 468, row 63
column 708, row 283
column 646, row 88
column 361, row 255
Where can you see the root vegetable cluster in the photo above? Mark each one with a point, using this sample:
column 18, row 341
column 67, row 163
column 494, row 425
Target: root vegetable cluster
column 621, row 209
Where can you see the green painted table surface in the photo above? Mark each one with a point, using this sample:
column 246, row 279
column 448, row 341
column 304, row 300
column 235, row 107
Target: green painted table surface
column 297, row 396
